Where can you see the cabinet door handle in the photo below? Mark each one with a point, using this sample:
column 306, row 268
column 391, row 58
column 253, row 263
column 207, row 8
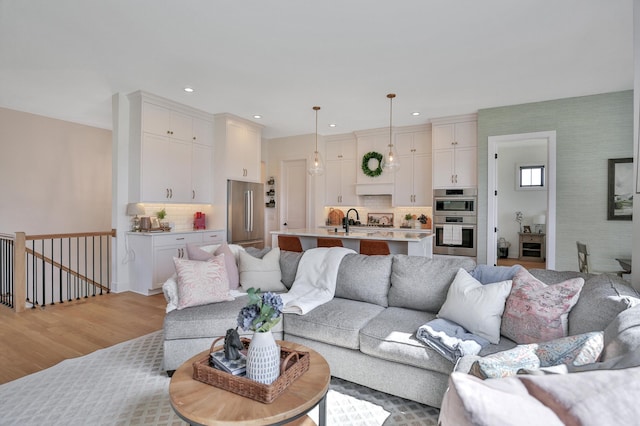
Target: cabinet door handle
column 170, row 192
column 167, row 196
column 193, row 194
column 194, row 138
column 180, row 239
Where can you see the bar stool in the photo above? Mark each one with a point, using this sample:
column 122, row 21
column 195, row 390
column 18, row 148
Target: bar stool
column 329, row 242
column 289, row 243
column 374, row 247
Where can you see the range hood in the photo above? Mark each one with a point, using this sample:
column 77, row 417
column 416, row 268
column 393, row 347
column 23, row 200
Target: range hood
column 374, row 189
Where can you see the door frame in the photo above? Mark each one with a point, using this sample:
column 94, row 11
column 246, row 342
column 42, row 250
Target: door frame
column 492, row 199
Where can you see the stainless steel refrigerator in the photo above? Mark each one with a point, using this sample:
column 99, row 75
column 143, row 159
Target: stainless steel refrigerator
column 245, row 213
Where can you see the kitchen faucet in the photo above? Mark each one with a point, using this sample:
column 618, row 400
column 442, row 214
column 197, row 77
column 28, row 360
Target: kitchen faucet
column 346, row 219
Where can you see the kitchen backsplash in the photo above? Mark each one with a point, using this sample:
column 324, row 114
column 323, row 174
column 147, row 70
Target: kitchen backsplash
column 381, row 204
column 180, row 215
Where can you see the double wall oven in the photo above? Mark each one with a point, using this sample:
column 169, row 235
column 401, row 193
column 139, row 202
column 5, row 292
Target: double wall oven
column 455, row 221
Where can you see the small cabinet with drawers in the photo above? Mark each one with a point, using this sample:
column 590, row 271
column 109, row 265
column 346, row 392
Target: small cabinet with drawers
column 152, row 255
column 532, row 247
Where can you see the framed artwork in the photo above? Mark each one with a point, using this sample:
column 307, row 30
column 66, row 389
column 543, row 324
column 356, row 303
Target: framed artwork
column 620, row 189
column 155, row 223
column 526, row 229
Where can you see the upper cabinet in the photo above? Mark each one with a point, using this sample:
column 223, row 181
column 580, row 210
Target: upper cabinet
column 238, row 147
column 340, row 171
column 413, row 179
column 455, row 145
column 171, row 151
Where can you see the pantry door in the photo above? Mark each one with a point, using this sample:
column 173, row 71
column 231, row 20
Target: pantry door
column 293, row 214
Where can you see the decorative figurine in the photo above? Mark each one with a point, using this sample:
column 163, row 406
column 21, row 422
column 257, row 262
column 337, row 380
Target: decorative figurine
column 232, row 344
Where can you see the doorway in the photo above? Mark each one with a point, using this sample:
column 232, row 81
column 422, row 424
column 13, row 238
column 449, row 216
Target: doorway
column 533, row 203
column 293, row 198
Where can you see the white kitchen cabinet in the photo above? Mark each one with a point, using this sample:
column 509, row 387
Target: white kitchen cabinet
column 170, row 151
column 153, row 255
column 164, row 121
column 201, row 176
column 239, row 142
column 340, row 171
column 455, row 141
column 412, row 185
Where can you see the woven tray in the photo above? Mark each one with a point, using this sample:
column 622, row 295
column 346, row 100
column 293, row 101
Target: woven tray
column 292, row 365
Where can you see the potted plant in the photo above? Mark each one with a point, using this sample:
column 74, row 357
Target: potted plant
column 161, row 215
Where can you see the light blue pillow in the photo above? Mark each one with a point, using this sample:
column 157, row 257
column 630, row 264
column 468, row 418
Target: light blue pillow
column 488, row 274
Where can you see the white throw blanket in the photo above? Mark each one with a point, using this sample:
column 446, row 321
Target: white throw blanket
column 315, row 281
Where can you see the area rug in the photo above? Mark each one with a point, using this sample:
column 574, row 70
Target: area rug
column 125, row 385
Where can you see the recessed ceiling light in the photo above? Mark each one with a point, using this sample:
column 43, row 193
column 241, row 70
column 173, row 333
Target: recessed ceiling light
column 257, row 116
column 415, row 113
column 332, row 125
column 188, row 89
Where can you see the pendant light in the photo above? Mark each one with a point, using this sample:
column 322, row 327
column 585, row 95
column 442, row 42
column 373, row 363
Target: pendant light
column 391, row 162
column 317, row 167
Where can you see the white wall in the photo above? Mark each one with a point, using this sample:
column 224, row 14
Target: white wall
column 530, row 202
column 56, row 175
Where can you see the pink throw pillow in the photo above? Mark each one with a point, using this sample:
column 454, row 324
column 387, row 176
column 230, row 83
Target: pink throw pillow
column 196, row 253
column 230, row 264
column 201, row 283
column 537, row 312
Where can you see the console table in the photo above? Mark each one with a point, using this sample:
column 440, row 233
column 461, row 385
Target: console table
column 532, row 247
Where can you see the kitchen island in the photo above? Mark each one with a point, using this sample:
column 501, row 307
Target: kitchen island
column 411, row 243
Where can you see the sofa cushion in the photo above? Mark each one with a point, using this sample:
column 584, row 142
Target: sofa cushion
column 289, row 261
column 337, row 322
column 602, row 298
column 206, row 321
column 262, row 273
column 364, row 278
column 391, row 336
column 623, row 334
column 475, row 306
column 472, row 401
column 422, row 283
column 537, row 312
column 605, row 397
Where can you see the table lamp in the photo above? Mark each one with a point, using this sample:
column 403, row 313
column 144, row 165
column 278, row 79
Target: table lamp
column 539, row 221
column 135, row 209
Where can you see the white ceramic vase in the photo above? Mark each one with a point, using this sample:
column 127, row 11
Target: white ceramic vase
column 263, row 358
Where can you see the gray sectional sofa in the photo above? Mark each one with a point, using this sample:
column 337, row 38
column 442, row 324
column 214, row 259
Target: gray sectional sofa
column 367, row 332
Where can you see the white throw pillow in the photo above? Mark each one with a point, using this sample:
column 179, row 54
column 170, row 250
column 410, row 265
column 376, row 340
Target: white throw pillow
column 476, row 307
column 262, row 273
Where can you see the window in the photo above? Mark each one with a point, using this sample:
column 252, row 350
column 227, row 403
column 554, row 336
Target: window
column 531, row 177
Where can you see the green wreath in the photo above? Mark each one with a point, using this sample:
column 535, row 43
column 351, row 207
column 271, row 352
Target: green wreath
column 365, row 164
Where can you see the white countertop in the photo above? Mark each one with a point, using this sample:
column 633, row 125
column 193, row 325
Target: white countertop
column 375, row 228
column 174, row 232
column 361, row 233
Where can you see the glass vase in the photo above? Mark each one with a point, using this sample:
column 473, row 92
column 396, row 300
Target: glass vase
column 263, row 358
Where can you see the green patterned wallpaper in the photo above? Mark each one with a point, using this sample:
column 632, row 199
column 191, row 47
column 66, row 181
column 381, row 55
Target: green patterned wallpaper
column 589, row 130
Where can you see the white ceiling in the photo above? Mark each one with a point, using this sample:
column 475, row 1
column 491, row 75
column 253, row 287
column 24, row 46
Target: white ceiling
column 278, row 58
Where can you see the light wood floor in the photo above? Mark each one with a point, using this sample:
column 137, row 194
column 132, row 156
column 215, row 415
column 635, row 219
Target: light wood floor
column 525, row 263
column 40, row 338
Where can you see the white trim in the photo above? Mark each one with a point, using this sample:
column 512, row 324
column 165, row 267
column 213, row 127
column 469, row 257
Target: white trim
column 492, row 242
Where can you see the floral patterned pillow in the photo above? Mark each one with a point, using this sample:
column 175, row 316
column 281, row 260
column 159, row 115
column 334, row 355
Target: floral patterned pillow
column 572, row 350
column 536, row 312
column 200, row 283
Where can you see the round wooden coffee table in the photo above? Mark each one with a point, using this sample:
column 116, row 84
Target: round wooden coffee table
column 201, row 404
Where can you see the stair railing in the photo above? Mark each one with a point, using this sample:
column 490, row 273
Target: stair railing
column 40, row 270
